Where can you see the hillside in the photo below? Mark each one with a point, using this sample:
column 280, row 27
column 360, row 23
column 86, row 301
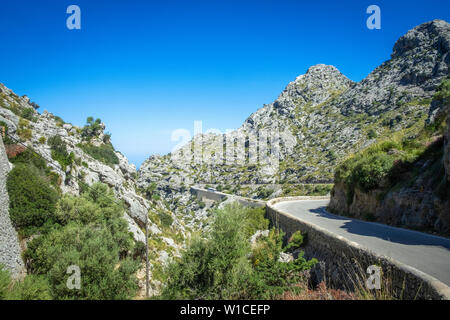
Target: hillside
column 402, row 180
column 320, row 118
column 65, row 164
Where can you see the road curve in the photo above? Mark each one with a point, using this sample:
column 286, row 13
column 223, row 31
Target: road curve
column 427, row 253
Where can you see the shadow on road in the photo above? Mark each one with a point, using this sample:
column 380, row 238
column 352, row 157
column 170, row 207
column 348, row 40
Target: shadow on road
column 385, row 232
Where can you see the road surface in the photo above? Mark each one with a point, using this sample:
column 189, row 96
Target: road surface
column 427, row 253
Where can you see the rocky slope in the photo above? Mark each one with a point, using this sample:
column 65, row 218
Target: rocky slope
column 321, row 117
column 10, row 254
column 418, row 195
column 27, row 128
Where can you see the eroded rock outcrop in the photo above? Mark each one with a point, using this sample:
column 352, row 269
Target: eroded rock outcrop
column 10, row 253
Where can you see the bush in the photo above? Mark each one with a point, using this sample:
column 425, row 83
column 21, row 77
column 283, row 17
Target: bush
column 28, row 113
column 104, row 153
column 91, row 234
column 24, row 131
column 295, row 241
column 5, row 280
column 370, row 171
column 32, row 199
column 166, row 219
column 224, row 266
column 33, row 287
column 95, row 250
column 59, row 152
column 92, row 128
column 30, row 288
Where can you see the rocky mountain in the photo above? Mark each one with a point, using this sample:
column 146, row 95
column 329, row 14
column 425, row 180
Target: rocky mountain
column 319, row 119
column 90, row 158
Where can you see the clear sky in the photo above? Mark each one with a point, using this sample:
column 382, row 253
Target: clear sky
column 148, row 67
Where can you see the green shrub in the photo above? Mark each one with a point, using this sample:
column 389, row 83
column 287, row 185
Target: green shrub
column 33, row 159
column 59, row 152
column 92, row 128
column 295, row 241
column 224, row 266
column 42, row 140
column 90, row 233
column 32, row 199
column 23, row 130
column 370, row 171
column 104, row 153
column 30, row 288
column 5, row 280
column 28, row 113
column 166, row 219
column 95, row 250
column 371, row 134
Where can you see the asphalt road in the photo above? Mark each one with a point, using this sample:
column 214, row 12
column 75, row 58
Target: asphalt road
column 427, row 253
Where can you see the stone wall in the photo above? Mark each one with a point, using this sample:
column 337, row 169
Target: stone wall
column 10, row 253
column 203, row 194
column 343, row 263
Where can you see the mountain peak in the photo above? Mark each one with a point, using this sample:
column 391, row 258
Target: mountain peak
column 433, row 34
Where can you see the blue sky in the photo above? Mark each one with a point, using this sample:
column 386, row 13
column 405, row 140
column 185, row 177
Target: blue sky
column 147, row 68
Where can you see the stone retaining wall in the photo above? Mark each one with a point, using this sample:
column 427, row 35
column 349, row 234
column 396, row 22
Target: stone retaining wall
column 10, row 253
column 343, row 263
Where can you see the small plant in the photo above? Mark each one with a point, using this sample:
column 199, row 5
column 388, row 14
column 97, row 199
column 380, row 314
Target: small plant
column 32, row 199
column 103, row 153
column 59, row 152
column 24, row 131
column 295, row 241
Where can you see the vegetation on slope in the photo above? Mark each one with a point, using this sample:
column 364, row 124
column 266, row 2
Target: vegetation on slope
column 398, row 162
column 63, row 230
column 224, row 265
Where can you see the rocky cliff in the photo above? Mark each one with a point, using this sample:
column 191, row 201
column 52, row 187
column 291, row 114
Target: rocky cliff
column 10, row 253
column 412, row 165
column 320, row 118
column 91, row 158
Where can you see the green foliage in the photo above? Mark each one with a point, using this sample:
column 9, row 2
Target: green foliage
column 149, row 191
column 103, row 153
column 28, row 113
column 92, row 128
column 90, row 233
column 5, row 280
column 224, row 266
column 201, row 204
column 443, row 92
column 30, row 288
column 24, row 130
column 295, row 241
column 33, row 287
column 59, row 152
column 371, row 134
column 264, row 193
column 395, row 161
column 272, row 277
column 32, row 199
column 166, row 219
column 42, row 140
column 370, row 171
column 292, row 190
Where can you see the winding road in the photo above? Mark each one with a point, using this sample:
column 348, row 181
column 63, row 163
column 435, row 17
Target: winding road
column 427, row 253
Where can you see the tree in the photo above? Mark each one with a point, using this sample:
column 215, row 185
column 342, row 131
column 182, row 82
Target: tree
column 32, row 198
